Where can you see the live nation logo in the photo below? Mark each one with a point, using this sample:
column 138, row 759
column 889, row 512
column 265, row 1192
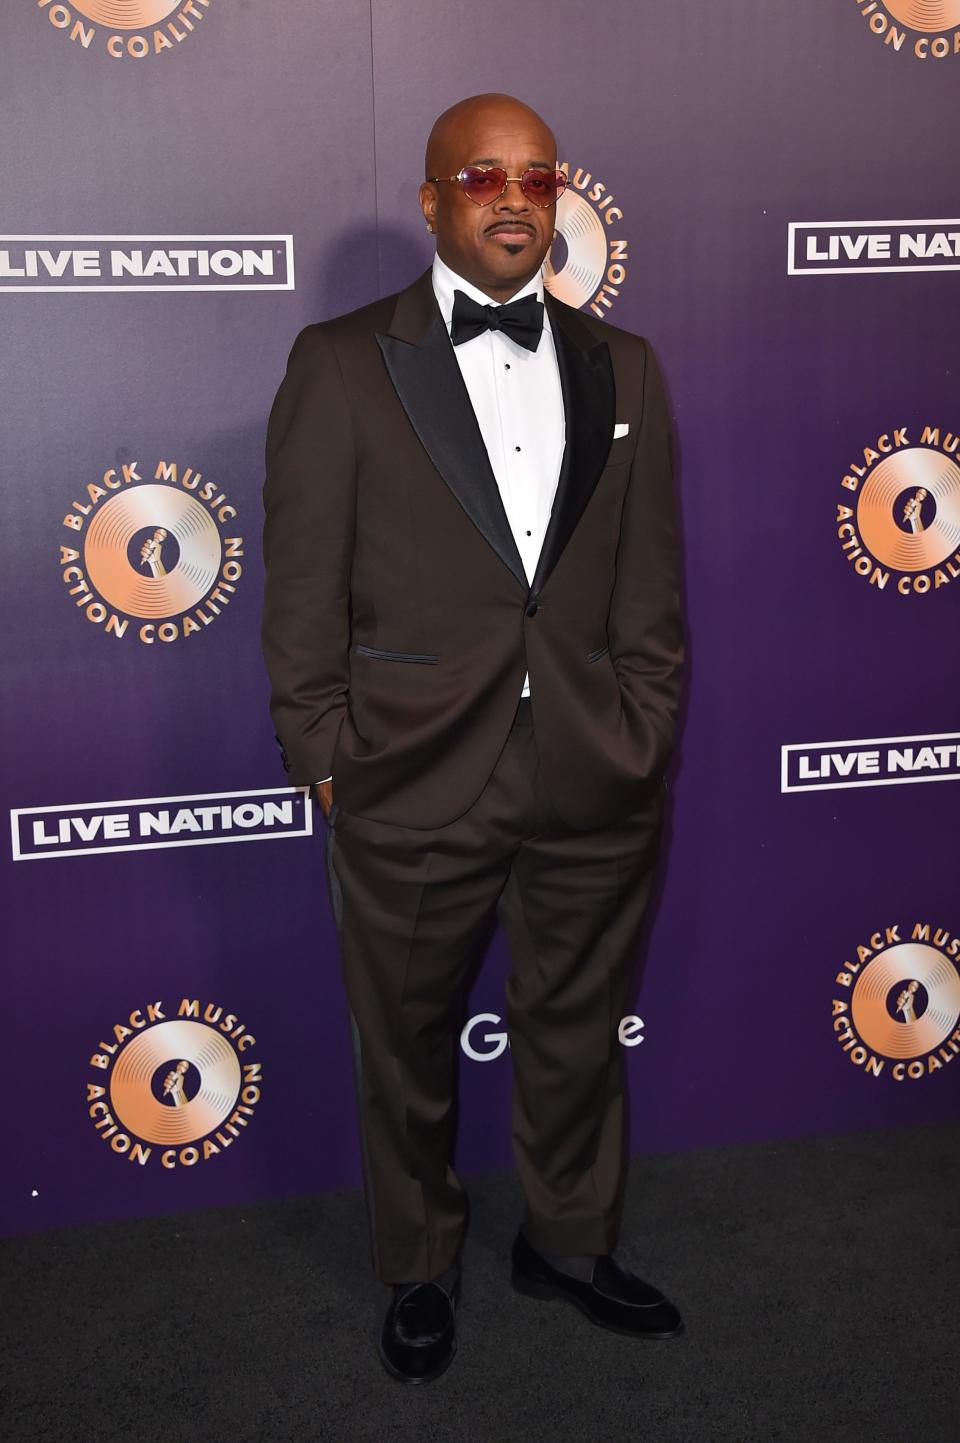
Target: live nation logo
column 148, row 554
column 146, row 263
column 74, row 829
column 175, row 1084
column 587, row 262
column 126, row 29
column 924, row 29
column 857, row 247
column 899, row 517
column 896, row 1008
column 870, row 762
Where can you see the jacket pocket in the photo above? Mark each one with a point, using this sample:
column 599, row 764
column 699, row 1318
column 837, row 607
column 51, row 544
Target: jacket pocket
column 622, row 449
column 596, row 655
column 380, row 655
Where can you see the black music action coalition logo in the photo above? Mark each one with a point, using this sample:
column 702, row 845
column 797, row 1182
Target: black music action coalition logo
column 587, row 262
column 151, row 549
column 900, row 1008
column 925, row 29
column 177, row 1086
column 133, row 29
column 900, row 516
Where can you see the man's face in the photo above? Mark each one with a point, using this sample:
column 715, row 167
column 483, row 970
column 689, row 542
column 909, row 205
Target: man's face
column 496, row 247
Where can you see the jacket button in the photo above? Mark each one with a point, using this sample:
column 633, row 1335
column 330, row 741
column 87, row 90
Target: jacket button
column 532, row 609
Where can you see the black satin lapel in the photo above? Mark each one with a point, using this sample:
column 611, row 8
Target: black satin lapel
column 431, row 389
column 589, row 404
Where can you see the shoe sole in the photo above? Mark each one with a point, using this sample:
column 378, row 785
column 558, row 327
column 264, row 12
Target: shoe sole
column 548, row 1293
column 422, row 1378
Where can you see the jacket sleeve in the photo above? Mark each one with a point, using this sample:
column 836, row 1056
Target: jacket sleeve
column 309, row 499
column 645, row 625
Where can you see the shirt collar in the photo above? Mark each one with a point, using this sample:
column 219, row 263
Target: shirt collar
column 446, row 281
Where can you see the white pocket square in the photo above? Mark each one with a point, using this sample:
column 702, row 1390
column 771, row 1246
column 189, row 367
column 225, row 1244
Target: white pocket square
column 621, row 429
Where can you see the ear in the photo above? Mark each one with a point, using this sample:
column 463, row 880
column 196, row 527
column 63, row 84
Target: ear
column 428, row 204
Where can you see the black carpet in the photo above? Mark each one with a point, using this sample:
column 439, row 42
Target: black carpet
column 818, row 1280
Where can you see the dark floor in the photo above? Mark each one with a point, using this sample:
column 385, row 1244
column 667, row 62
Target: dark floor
column 818, row 1280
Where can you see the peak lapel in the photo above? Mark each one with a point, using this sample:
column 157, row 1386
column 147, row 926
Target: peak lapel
column 589, row 405
column 421, row 364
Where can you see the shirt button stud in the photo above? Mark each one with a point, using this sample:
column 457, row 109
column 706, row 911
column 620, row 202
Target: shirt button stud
column 516, row 448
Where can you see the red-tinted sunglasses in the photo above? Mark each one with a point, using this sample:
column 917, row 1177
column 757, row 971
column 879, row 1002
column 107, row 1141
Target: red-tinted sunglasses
column 485, row 184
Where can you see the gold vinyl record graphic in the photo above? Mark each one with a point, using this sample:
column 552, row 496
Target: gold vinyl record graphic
column 894, row 493
column 126, row 14
column 144, row 586
column 894, row 977
column 927, row 15
column 174, row 1047
column 580, row 275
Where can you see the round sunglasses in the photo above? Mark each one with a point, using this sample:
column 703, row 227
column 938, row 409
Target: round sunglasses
column 484, row 184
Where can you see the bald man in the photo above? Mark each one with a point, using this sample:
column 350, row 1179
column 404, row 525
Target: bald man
column 472, row 629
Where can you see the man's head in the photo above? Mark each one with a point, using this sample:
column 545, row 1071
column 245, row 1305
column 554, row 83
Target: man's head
column 497, row 247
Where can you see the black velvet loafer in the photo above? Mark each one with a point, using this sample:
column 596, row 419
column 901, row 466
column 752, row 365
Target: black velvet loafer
column 419, row 1337
column 612, row 1299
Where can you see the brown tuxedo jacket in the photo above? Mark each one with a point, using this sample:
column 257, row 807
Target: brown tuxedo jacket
column 398, row 621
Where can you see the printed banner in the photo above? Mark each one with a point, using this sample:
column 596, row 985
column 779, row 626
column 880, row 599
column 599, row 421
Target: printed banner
column 187, row 186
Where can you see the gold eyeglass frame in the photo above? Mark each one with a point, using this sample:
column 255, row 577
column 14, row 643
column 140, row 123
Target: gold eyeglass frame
column 531, row 170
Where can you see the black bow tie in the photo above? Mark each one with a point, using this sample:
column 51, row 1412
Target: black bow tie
column 521, row 320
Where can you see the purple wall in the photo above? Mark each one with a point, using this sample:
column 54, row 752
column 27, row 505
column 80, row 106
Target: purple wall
column 714, row 128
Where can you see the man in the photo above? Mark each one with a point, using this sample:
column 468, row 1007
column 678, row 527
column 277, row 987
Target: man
column 472, row 629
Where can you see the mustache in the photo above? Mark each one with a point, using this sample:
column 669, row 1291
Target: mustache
column 510, row 225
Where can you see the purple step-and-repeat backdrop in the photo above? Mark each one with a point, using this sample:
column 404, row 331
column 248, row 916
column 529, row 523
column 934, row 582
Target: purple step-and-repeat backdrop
column 758, row 186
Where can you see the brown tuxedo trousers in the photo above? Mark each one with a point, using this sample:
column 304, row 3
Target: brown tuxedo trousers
column 398, row 625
